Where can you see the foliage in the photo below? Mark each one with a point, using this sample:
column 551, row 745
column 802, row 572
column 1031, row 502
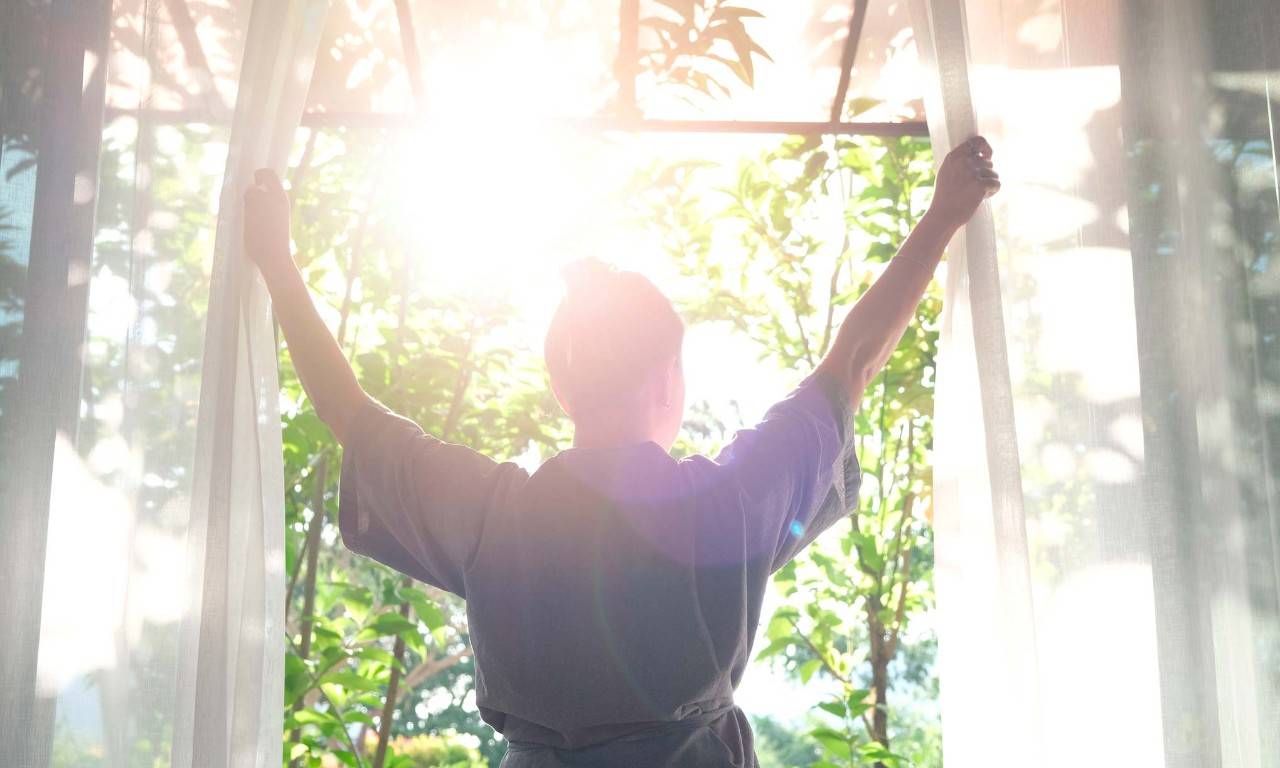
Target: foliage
column 850, row 599
column 778, row 746
column 699, row 42
column 431, row 752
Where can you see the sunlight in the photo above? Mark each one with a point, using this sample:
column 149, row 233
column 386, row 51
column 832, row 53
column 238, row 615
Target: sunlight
column 491, row 194
column 1119, row 663
column 98, row 624
column 482, row 207
column 488, row 189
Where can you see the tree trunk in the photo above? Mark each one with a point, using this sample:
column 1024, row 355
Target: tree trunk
column 879, row 657
column 393, row 690
column 880, row 686
column 313, row 564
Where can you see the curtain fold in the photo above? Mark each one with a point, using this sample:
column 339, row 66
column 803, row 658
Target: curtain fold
column 982, row 561
column 51, row 104
column 231, row 668
column 1131, row 261
column 143, row 600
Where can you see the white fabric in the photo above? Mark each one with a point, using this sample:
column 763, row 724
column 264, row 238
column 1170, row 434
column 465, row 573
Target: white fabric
column 1106, row 521
column 51, row 94
column 231, row 664
column 162, row 595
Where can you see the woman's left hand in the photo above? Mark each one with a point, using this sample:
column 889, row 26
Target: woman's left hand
column 965, row 178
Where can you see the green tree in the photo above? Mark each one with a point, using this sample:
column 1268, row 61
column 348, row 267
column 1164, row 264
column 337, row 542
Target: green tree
column 780, row 747
column 433, row 752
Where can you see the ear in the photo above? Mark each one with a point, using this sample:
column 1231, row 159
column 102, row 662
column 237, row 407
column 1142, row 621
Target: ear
column 669, row 381
column 564, row 404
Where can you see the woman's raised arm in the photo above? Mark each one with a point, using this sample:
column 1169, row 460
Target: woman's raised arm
column 875, row 325
column 323, row 369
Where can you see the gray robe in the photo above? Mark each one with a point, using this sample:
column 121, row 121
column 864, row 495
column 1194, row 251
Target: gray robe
column 614, row 594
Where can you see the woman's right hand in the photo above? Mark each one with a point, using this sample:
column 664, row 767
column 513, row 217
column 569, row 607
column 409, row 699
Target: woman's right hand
column 965, row 178
column 266, row 222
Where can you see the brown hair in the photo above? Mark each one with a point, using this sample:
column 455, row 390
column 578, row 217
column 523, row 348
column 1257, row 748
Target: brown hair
column 610, row 329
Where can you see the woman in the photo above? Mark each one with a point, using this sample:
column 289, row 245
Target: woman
column 612, row 595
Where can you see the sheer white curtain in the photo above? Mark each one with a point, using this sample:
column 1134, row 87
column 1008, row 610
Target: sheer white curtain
column 231, row 675
column 145, row 622
column 1108, row 528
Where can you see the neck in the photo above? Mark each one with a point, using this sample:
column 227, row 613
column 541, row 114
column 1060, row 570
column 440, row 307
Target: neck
column 608, row 431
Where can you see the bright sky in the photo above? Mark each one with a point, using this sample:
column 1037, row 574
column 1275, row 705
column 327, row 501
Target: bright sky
column 507, row 222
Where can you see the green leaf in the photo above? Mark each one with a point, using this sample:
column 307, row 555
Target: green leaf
column 875, row 752
column 858, row 701
column 833, row 741
column 324, row 633
column 836, row 708
column 311, row 716
column 356, row 716
column 391, row 624
column 774, row 648
column 297, row 679
column 780, row 627
column 428, row 612
column 808, row 669
column 870, row 556
column 814, row 165
column 380, row 655
column 861, row 104
column 353, row 682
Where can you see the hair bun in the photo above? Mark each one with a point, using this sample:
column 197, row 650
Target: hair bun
column 586, row 277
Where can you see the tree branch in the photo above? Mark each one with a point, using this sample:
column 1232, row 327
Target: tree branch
column 804, row 339
column 831, row 295
column 908, row 500
column 350, row 743
column 312, row 546
column 314, row 529
column 393, row 685
column 816, row 652
column 427, row 670
column 901, row 612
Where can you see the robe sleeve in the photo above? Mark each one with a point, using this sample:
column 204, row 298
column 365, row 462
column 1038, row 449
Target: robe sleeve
column 416, row 503
column 797, row 470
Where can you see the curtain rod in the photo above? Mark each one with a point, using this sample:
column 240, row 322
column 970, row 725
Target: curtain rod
column 651, row 125
column 374, row 120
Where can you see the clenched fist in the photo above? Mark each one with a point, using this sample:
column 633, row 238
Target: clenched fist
column 266, row 221
column 965, row 178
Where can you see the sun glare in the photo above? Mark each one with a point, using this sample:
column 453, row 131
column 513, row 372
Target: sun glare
column 496, row 211
column 485, row 205
column 493, row 194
